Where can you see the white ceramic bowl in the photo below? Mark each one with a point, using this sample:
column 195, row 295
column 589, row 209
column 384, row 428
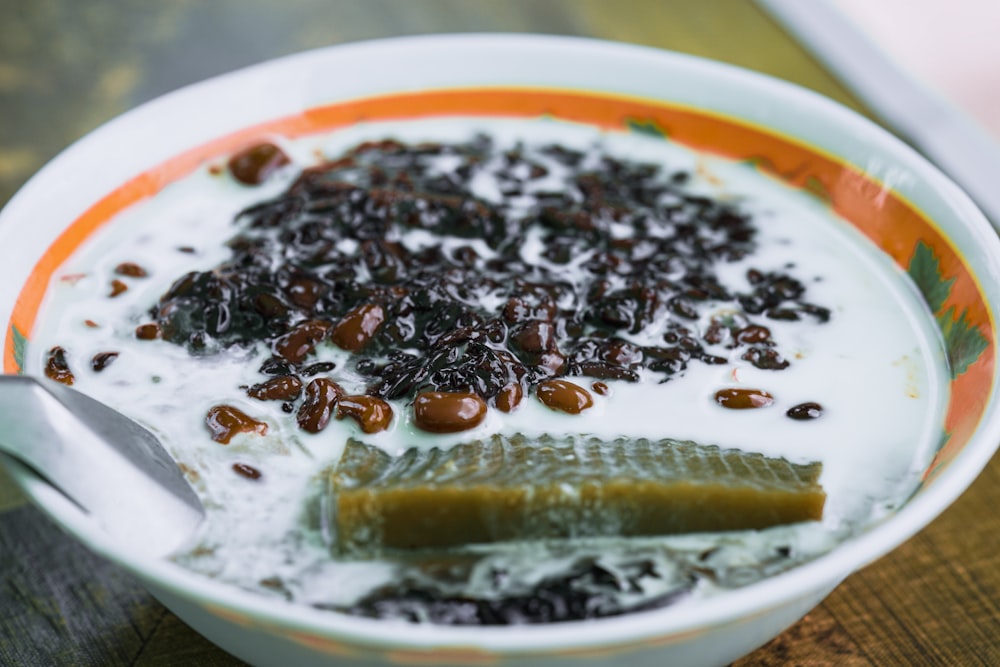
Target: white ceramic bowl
column 872, row 179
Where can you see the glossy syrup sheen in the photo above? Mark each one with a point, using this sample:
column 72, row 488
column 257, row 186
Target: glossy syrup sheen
column 877, row 367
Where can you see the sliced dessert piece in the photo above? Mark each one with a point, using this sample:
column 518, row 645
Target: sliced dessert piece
column 514, row 488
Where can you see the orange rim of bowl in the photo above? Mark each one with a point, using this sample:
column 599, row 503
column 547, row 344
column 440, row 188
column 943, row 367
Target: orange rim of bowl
column 914, row 242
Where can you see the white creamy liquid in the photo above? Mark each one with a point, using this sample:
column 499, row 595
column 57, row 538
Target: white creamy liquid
column 877, row 367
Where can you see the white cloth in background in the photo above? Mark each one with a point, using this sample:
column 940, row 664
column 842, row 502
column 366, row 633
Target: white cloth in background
column 950, row 45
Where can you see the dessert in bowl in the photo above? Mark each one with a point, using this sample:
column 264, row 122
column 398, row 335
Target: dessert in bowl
column 718, row 240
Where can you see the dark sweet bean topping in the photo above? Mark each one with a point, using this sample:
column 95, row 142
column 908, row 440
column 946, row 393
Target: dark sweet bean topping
column 448, row 412
column 786, row 314
column 244, row 470
column 604, row 371
column 372, row 414
column 805, row 411
column 743, row 399
column 317, row 368
column 304, row 292
column 150, row 331
column 534, row 336
column 564, row 396
column 509, row 398
column 281, row 388
column 300, row 341
column 276, row 366
column 102, row 360
column 753, row 334
column 131, row 269
column 253, row 165
column 358, row 326
column 716, row 333
column 712, row 359
column 321, row 398
column 117, row 287
column 326, row 260
column 91, row 324
column 821, row 314
column 57, row 368
column 765, row 358
column 601, row 388
column 225, row 421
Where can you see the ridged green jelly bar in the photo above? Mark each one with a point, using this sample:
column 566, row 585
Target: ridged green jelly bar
column 514, row 488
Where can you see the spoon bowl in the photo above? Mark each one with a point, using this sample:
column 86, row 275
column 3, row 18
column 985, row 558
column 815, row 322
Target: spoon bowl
column 110, row 466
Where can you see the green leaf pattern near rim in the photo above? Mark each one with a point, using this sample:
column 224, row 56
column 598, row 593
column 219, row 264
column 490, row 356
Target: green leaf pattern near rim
column 962, row 340
column 925, row 270
column 648, row 127
column 20, row 342
column 815, row 187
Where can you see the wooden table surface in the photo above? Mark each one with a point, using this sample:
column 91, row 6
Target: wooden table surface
column 67, row 66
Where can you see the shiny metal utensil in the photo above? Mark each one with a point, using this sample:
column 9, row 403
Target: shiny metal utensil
column 110, row 466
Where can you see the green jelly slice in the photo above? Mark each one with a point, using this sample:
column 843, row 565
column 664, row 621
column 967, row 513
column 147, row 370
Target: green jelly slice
column 509, row 488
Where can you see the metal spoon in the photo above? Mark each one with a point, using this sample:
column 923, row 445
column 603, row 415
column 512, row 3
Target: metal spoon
column 113, row 468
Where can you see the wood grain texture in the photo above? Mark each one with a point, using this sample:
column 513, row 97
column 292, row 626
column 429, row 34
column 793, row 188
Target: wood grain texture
column 10, row 494
column 67, row 66
column 61, row 604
